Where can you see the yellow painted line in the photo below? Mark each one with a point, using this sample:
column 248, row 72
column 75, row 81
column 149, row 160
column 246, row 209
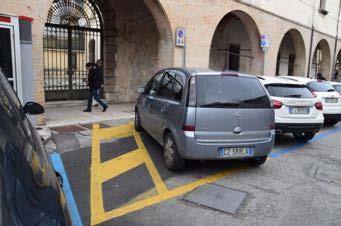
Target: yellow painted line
column 101, row 172
column 119, row 165
column 116, row 132
column 163, row 197
column 96, row 196
column 160, row 185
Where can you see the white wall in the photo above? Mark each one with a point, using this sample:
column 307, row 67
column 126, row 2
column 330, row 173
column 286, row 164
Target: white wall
column 301, row 11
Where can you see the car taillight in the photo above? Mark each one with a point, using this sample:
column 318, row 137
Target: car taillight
column 319, row 106
column 192, row 99
column 188, row 128
column 272, row 126
column 276, row 104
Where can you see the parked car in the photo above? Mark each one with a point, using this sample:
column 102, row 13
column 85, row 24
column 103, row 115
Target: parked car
column 297, row 111
column 31, row 193
column 326, row 93
column 337, row 86
column 203, row 114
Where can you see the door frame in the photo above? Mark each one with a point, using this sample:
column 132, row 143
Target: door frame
column 13, row 26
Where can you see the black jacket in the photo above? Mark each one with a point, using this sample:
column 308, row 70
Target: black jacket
column 95, row 78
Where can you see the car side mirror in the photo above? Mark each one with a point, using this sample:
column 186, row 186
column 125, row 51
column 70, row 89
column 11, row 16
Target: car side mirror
column 33, row 108
column 140, row 90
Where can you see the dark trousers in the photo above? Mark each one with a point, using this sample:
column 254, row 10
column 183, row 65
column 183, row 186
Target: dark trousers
column 94, row 93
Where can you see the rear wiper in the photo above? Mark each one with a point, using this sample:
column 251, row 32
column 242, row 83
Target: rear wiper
column 331, row 90
column 294, row 95
column 221, row 105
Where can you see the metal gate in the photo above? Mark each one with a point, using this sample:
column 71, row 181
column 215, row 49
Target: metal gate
column 72, row 37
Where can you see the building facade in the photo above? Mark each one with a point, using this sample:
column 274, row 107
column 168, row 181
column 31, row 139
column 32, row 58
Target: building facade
column 135, row 38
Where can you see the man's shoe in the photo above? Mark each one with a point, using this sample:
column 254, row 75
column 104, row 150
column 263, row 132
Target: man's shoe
column 105, row 108
column 87, row 110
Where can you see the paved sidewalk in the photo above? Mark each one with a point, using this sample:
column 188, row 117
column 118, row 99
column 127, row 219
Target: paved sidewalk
column 73, row 115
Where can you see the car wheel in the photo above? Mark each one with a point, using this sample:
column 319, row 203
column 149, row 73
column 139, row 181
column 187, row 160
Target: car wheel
column 138, row 126
column 304, row 136
column 330, row 122
column 172, row 157
column 257, row 161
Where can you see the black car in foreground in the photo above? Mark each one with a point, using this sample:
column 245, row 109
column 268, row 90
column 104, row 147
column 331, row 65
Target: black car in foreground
column 30, row 191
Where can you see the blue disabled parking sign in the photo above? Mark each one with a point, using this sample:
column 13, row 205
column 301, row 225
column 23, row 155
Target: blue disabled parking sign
column 180, row 37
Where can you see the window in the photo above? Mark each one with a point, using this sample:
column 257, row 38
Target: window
column 323, row 4
column 322, row 8
column 216, row 91
column 289, row 91
column 321, row 87
column 234, row 58
column 152, row 85
column 291, row 66
column 171, row 86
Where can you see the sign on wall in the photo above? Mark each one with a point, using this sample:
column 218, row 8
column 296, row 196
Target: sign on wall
column 180, row 36
column 264, row 43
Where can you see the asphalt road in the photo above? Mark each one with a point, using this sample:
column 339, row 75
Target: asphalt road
column 299, row 185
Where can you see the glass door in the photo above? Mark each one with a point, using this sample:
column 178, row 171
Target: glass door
column 7, row 60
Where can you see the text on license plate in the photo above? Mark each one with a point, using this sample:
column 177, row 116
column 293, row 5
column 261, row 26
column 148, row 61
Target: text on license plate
column 332, row 100
column 299, row 110
column 236, row 152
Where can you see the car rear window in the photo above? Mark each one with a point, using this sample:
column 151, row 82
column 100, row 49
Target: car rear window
column 230, row 92
column 321, row 87
column 289, row 91
column 337, row 88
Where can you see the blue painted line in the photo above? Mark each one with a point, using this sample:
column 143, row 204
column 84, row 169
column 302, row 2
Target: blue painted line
column 295, row 147
column 59, row 167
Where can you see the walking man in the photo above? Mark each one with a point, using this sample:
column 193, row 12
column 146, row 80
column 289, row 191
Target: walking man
column 94, row 83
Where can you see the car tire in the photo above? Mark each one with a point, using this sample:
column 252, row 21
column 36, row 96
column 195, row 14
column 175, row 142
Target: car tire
column 255, row 162
column 137, row 122
column 304, row 136
column 172, row 157
column 330, row 122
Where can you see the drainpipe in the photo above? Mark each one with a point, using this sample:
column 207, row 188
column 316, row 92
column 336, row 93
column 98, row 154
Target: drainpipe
column 336, row 38
column 311, row 40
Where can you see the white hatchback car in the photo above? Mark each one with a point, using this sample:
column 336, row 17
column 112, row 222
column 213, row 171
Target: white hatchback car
column 326, row 93
column 297, row 111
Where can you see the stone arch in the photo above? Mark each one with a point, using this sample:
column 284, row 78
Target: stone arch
column 321, row 61
column 236, row 44
column 137, row 41
column 337, row 67
column 291, row 57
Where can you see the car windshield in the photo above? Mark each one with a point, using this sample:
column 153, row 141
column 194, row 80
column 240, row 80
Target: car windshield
column 321, row 87
column 337, row 88
column 230, row 92
column 289, row 91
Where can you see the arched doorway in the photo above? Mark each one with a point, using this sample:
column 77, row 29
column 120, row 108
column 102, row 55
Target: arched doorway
column 236, row 45
column 133, row 38
column 291, row 55
column 337, row 68
column 321, row 60
column 72, row 37
column 138, row 41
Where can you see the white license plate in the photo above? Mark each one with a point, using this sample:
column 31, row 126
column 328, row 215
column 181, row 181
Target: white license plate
column 299, row 110
column 235, row 152
column 332, row 100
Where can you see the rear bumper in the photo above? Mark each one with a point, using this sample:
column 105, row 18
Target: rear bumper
column 297, row 127
column 189, row 148
column 336, row 117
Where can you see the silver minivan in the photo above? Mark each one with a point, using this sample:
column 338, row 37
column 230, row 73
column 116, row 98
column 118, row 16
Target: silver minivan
column 205, row 115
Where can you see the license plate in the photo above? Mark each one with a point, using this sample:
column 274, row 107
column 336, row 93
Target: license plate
column 299, row 110
column 235, row 152
column 332, row 100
